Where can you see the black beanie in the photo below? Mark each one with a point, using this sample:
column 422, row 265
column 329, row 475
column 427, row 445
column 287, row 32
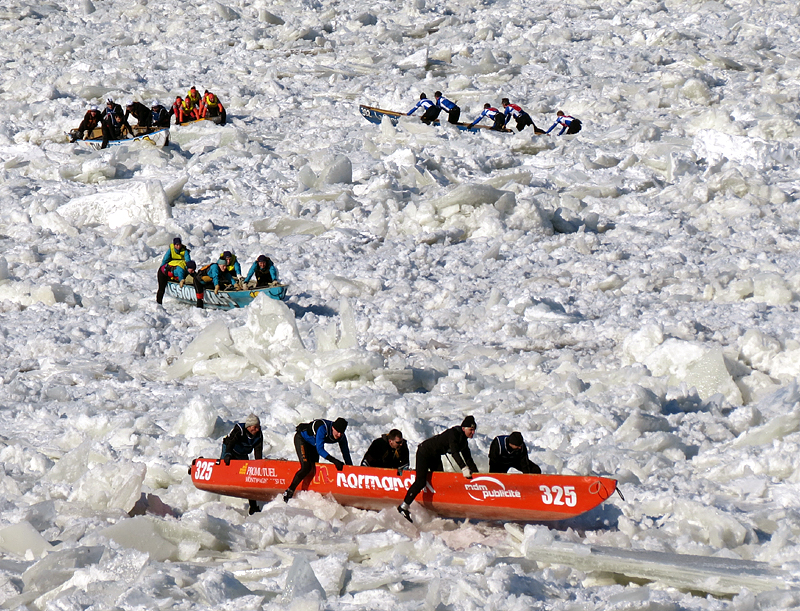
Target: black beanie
column 469, row 423
column 340, row 425
column 515, row 439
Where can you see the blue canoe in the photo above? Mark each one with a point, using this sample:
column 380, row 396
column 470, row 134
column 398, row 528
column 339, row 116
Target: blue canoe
column 224, row 300
column 376, row 115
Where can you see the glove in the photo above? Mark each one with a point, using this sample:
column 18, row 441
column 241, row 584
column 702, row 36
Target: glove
column 241, row 279
column 227, row 460
column 337, row 463
column 181, row 283
column 467, row 473
column 216, row 290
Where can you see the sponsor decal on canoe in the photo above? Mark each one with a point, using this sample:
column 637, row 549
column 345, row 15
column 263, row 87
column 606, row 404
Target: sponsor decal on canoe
column 360, row 481
column 482, row 488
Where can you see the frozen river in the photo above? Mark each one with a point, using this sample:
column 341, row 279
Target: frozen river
column 627, row 298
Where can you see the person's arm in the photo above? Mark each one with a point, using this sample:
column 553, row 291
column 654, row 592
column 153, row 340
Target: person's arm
column 531, row 467
column 494, row 449
column 455, row 447
column 468, row 459
column 552, row 127
column 345, row 449
column 186, row 255
column 166, row 258
column 564, row 127
column 476, row 121
column 319, row 442
column 123, row 120
column 252, row 271
column 230, row 441
column 411, row 112
column 237, row 269
column 402, row 452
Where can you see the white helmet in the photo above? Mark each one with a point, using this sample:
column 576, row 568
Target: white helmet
column 129, row 103
column 93, row 107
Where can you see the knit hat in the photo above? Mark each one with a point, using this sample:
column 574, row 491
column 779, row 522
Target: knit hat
column 262, row 258
column 340, row 425
column 191, row 265
column 177, row 242
column 222, row 263
column 469, row 423
column 515, row 439
column 252, row 420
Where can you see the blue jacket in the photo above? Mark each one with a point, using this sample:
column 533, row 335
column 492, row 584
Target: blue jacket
column 443, row 102
column 424, row 103
column 218, row 276
column 487, row 112
column 564, row 122
column 321, row 433
column 272, row 271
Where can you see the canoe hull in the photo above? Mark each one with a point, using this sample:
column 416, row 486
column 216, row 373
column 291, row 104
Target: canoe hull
column 487, row 496
column 157, row 138
column 224, row 300
column 376, row 115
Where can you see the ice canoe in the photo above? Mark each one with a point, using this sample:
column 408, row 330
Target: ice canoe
column 159, row 137
column 376, row 115
column 487, row 496
column 224, row 300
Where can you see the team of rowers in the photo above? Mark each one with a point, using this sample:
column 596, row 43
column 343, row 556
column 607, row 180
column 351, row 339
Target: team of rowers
column 389, row 451
column 500, row 119
column 114, row 124
column 226, row 273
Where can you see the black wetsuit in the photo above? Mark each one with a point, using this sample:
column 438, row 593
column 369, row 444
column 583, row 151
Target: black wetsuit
column 502, row 458
column 429, row 457
column 144, row 116
column 238, row 445
column 159, row 116
column 381, row 454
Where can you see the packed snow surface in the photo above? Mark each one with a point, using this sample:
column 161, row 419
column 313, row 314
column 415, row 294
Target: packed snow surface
column 626, row 297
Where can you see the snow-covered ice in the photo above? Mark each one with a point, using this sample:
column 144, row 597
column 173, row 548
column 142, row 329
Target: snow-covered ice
column 627, row 298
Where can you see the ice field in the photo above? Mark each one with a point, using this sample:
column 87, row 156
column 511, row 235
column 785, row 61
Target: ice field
column 626, row 297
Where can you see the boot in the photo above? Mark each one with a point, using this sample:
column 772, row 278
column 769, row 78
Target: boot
column 403, row 510
column 200, row 303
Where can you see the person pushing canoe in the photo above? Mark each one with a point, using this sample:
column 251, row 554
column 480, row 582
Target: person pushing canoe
column 244, row 438
column 507, row 451
column 309, row 442
column 453, row 441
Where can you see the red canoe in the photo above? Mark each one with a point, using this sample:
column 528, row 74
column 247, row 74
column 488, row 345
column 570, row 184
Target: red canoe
column 487, row 496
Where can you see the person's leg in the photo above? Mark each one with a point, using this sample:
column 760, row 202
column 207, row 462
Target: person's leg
column 307, row 455
column 431, row 115
column 455, row 115
column 162, row 285
column 423, row 469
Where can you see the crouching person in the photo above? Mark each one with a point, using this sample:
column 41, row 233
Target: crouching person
column 245, row 438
